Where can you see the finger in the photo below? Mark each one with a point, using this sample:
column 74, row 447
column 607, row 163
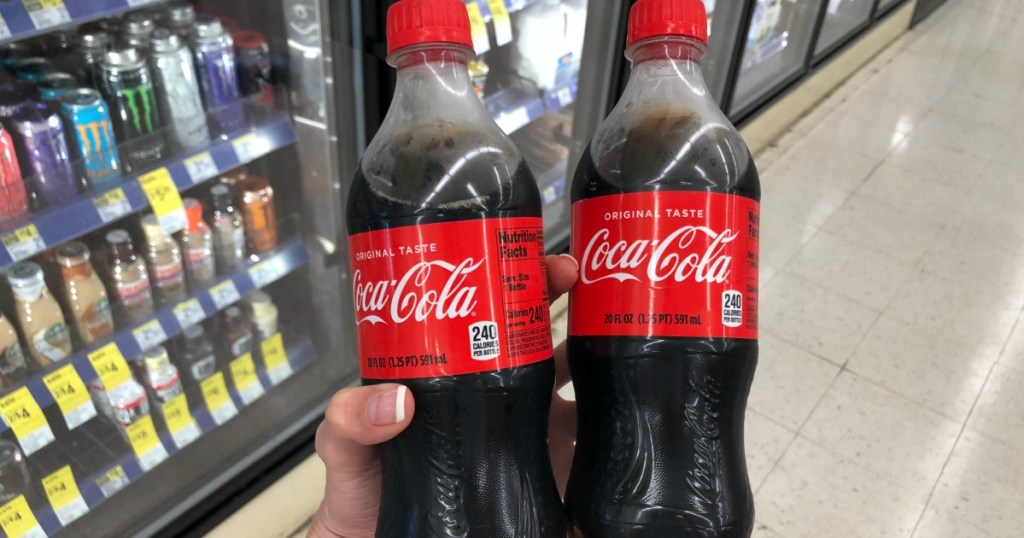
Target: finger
column 358, row 418
column 563, row 271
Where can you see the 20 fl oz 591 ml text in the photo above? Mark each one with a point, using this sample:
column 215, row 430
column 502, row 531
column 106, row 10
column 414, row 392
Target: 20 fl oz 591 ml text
column 408, row 361
column 647, row 318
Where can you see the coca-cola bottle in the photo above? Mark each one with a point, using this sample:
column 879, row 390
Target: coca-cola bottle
column 663, row 321
column 447, row 258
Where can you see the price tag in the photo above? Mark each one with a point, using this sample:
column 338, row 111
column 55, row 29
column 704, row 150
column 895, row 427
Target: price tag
column 164, row 197
column 5, row 30
column 110, row 365
column 47, row 13
column 62, row 491
column 71, row 396
column 24, row 242
column 150, row 335
column 201, row 167
column 112, row 205
column 264, row 273
column 513, row 120
column 218, row 401
column 250, row 147
column 146, row 443
column 224, row 294
column 189, row 312
column 179, row 421
column 26, row 419
column 565, row 97
column 276, row 359
column 502, row 21
column 248, row 385
column 481, row 43
column 18, row 521
column 112, row 481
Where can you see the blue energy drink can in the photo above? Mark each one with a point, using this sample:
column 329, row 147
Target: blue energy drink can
column 89, row 119
column 32, row 69
column 53, row 86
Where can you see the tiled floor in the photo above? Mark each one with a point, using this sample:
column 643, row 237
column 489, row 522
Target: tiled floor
column 889, row 399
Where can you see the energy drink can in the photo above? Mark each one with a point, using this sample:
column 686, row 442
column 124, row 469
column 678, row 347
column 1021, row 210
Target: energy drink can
column 254, row 69
column 218, row 75
column 11, row 53
column 179, row 18
column 91, row 47
column 13, row 196
column 137, row 29
column 54, row 86
column 90, row 121
column 32, row 69
column 128, row 88
column 178, row 88
column 43, row 150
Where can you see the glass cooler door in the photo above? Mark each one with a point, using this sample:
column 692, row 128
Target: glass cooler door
column 172, row 315
column 842, row 17
column 724, row 20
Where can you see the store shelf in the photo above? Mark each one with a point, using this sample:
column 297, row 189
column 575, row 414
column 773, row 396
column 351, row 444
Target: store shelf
column 167, row 322
column 20, row 22
column 511, row 5
column 299, row 354
column 563, row 94
column 514, row 108
column 92, row 210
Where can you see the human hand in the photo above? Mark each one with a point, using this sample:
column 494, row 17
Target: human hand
column 359, row 418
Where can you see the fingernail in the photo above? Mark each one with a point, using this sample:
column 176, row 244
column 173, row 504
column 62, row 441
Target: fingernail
column 388, row 408
column 573, row 260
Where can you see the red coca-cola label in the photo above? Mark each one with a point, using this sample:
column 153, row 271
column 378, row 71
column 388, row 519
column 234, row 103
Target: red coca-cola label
column 451, row 298
column 672, row 264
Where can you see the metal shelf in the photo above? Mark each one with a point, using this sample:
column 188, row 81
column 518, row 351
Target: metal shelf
column 19, row 21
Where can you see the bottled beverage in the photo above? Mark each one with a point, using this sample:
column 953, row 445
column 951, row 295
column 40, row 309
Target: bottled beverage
column 237, row 333
column 178, row 89
column 39, row 316
column 663, row 321
column 124, row 404
column 85, row 294
column 13, row 369
column 264, row 315
column 43, row 149
column 232, row 178
column 129, row 278
column 218, row 75
column 198, row 359
column 162, row 378
column 258, row 214
column 197, row 245
column 89, row 119
column 228, row 232
column 127, row 86
column 13, row 195
column 446, row 247
column 166, row 269
column 254, row 69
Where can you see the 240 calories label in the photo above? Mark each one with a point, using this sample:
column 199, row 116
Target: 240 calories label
column 672, row 264
column 451, row 298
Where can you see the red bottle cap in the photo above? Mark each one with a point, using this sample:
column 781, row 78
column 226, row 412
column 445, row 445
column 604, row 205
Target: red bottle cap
column 249, row 39
column 194, row 214
column 656, row 18
column 411, row 22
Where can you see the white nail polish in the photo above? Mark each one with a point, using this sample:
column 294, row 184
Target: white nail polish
column 400, row 404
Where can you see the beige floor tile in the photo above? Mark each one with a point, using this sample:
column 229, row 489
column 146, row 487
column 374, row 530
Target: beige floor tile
column 942, row 371
column 789, row 381
column 816, row 493
column 1012, row 355
column 999, row 413
column 781, row 238
column 765, row 442
column 814, row 317
column 826, row 158
column 941, row 524
column 853, row 271
column 762, row 531
column 872, row 427
column 808, row 200
column 883, row 226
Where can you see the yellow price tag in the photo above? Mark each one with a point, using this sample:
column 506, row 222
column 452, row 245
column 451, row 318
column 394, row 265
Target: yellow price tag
column 112, row 481
column 61, row 488
column 481, row 43
column 215, row 391
column 161, row 192
column 112, row 205
column 17, row 519
column 71, row 395
column 110, row 365
column 24, row 416
column 502, row 21
column 36, row 5
column 177, row 414
column 243, row 372
column 142, row 435
column 24, row 242
column 273, row 351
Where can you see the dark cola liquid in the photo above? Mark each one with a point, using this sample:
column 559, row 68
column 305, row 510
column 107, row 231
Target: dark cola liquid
column 660, row 436
column 474, row 461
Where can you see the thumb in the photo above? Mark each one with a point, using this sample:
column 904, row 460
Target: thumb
column 357, row 418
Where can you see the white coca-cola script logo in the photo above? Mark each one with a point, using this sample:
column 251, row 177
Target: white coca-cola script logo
column 409, row 297
column 674, row 257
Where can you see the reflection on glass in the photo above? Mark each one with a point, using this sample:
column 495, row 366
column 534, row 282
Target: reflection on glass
column 886, row 4
column 841, row 18
column 709, row 6
column 776, row 47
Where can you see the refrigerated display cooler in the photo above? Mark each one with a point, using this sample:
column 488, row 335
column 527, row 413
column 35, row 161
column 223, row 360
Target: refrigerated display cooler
column 174, row 313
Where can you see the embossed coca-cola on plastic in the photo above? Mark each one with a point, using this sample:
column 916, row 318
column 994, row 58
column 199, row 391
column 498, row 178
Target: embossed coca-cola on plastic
column 447, row 255
column 663, row 322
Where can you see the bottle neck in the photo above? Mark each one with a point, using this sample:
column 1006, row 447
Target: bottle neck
column 433, row 83
column 79, row 271
column 660, row 60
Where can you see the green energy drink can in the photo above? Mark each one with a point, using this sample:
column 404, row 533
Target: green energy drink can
column 127, row 86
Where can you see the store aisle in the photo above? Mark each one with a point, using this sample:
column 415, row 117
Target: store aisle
column 889, row 399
